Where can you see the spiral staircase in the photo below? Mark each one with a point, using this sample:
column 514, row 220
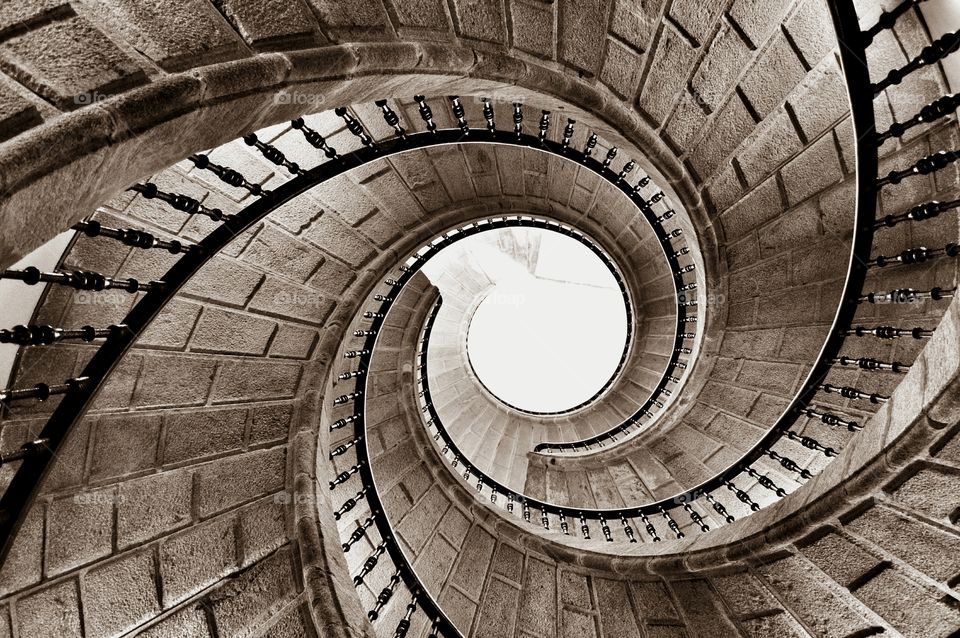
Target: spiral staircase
column 240, row 399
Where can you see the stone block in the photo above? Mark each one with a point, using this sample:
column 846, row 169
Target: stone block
column 498, row 610
column 242, row 604
column 702, row 611
column 666, row 78
column 474, row 561
column 777, row 71
column 621, row 69
column 192, row 34
column 270, row 422
column 932, row 491
column 758, row 19
column 633, row 23
column 224, row 281
column 293, row 342
column 434, row 562
column 421, row 521
column 272, row 24
column 88, row 65
column 575, row 624
column 53, row 612
column 24, row 564
column 538, row 600
column 227, row 482
column 119, row 595
column 251, row 381
column 580, row 26
column 332, row 235
column 731, row 125
column 79, row 530
column 480, row 20
column 196, row 434
column 820, row 100
column 723, row 62
column 171, row 329
column 909, row 608
column 276, row 251
column 228, row 332
column 821, row 609
column 806, row 29
column 812, row 171
column 533, row 27
column 776, row 141
column 652, row 601
column 840, row 559
column 17, row 113
column 188, row 621
column 196, row 558
column 152, row 506
column 460, row 609
column 174, row 380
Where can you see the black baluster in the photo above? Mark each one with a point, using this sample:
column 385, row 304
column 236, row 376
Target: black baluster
column 346, row 398
column 924, row 166
column 605, row 528
column 384, row 596
column 425, row 113
column 29, row 448
column 767, row 482
column 132, row 237
column 43, row 391
column 35, row 335
column 832, row 420
column 391, row 118
column 651, row 530
column 742, row 496
column 811, row 443
column 611, row 155
column 564, row 526
column 314, row 139
column 907, row 295
column 920, row 212
column 488, row 116
column 889, row 332
column 930, row 54
column 178, row 202
column 341, row 423
column 358, row 533
column 789, row 464
column 544, row 519
column 526, row 510
column 696, row 518
column 932, row 112
column 81, row 280
column 353, row 354
column 272, row 153
column 627, row 529
column 719, row 508
column 517, row 119
column 544, row 126
column 459, row 114
column 888, row 19
column 346, row 474
column 584, row 529
column 590, row 145
column 568, row 133
column 853, row 393
column 349, row 504
column 627, row 168
column 355, row 127
column 672, row 524
column 370, row 563
column 510, row 502
column 404, row 625
column 227, row 175
column 342, row 449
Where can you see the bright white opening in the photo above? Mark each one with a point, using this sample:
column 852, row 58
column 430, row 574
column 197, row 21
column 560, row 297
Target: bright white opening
column 550, row 333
